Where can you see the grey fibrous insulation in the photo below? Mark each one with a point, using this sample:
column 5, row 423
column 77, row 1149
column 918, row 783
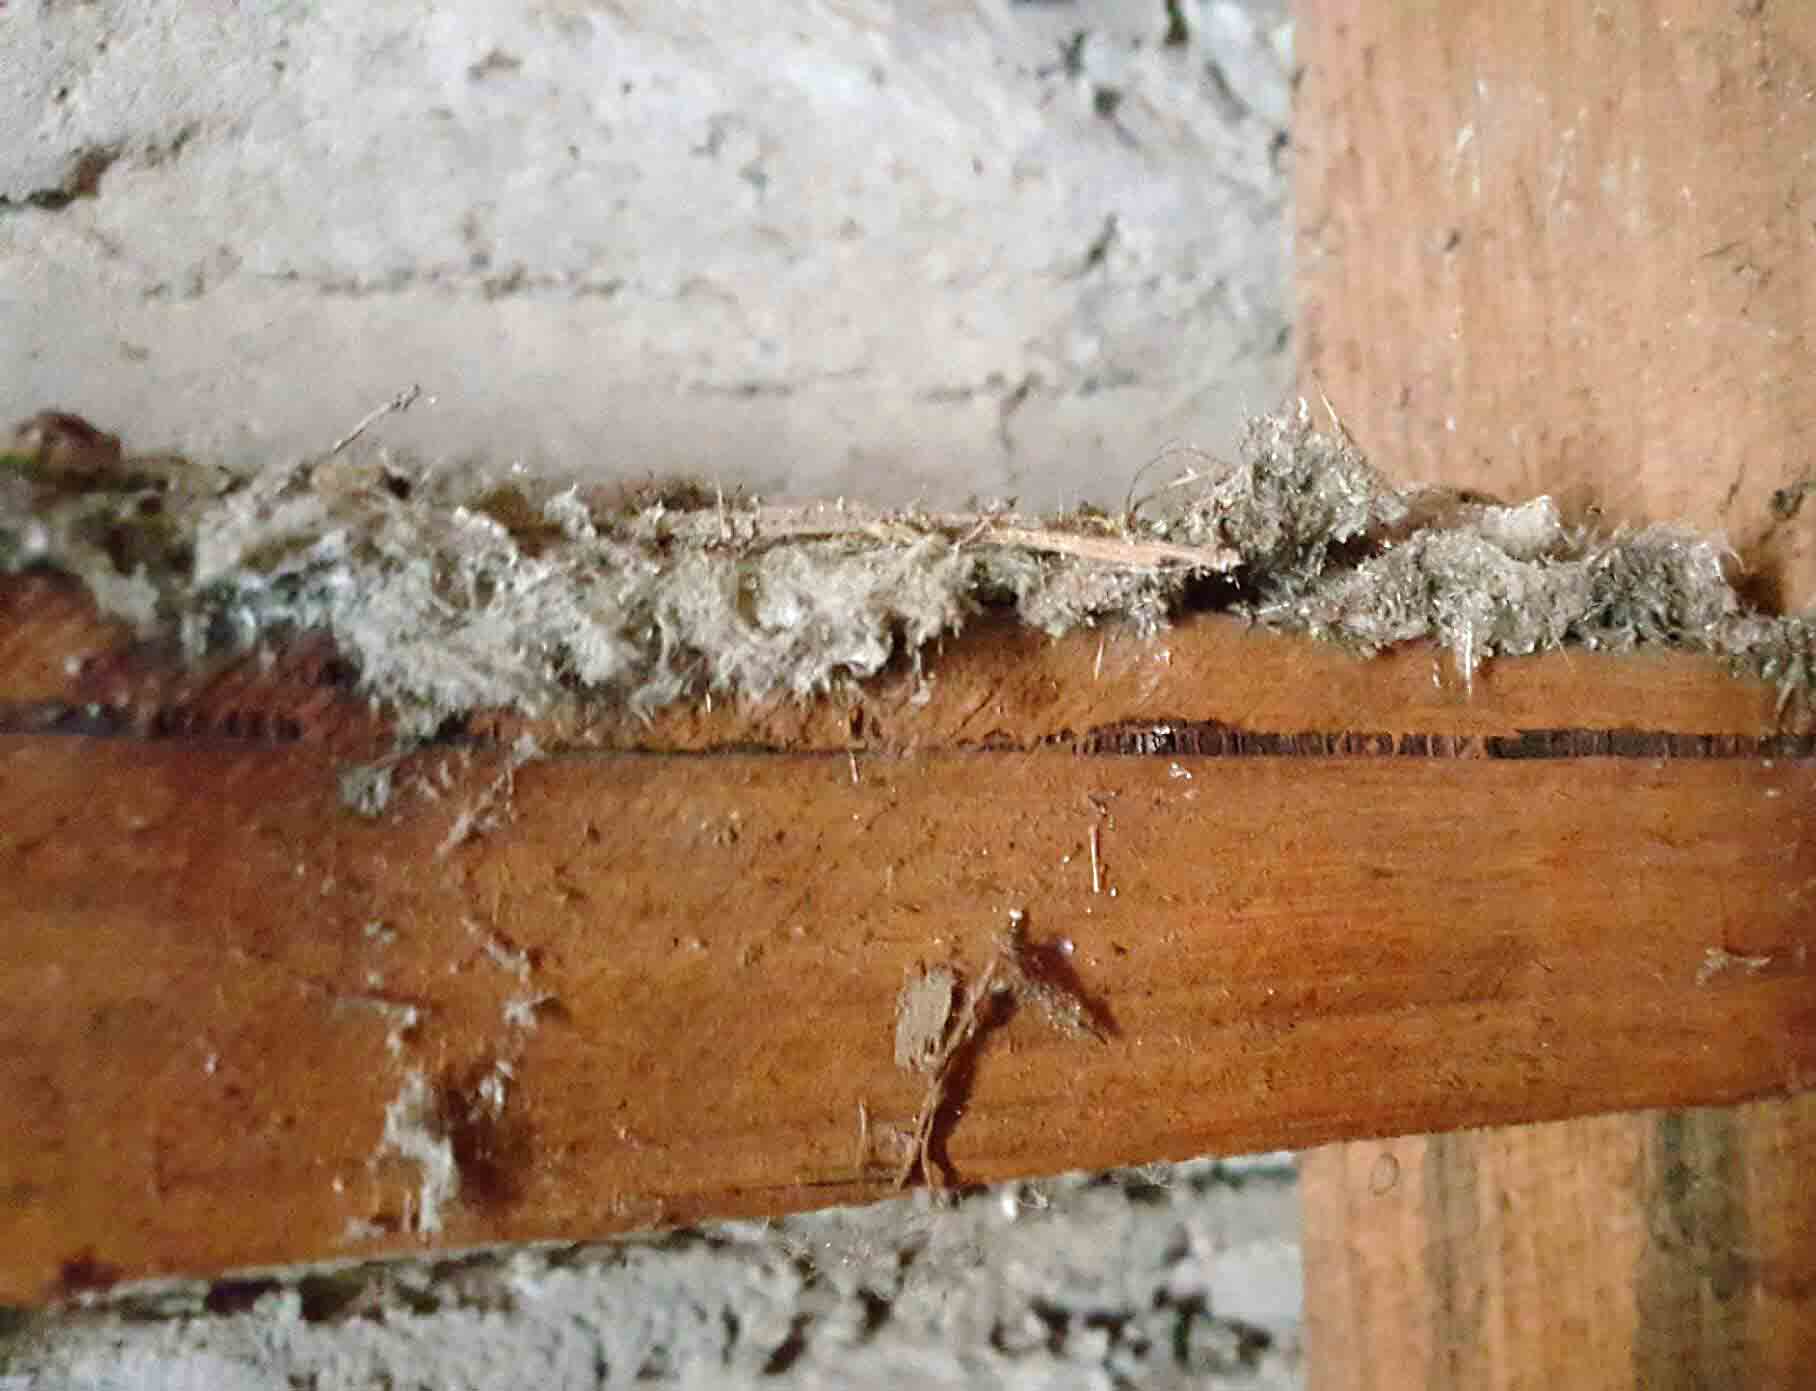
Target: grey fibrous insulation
column 416, row 1132
column 452, row 598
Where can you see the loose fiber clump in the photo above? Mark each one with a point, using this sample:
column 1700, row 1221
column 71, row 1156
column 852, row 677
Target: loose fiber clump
column 452, row 598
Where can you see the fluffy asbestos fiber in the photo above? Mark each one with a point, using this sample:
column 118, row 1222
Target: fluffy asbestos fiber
column 452, row 598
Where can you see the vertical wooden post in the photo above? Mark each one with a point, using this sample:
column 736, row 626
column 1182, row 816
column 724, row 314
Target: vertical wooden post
column 1565, row 248
column 1660, row 1249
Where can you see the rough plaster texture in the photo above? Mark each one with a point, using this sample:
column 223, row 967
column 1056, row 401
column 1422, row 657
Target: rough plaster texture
column 908, row 252
column 894, row 250
column 1181, row 1276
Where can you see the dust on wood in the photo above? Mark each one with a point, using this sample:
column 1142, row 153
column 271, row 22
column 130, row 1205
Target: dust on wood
column 493, row 803
column 942, row 1018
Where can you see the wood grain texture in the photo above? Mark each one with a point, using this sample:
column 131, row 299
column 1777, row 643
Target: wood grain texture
column 1655, row 1250
column 1569, row 249
column 688, row 962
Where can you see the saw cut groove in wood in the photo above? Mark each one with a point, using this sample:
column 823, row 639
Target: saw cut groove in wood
column 1218, row 741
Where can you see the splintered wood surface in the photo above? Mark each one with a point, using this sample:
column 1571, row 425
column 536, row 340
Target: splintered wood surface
column 655, row 987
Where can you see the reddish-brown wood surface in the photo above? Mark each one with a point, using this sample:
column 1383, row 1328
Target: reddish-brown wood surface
column 688, row 963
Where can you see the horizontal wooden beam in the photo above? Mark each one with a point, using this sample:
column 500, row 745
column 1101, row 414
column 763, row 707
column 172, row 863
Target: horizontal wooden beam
column 1549, row 248
column 609, row 990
